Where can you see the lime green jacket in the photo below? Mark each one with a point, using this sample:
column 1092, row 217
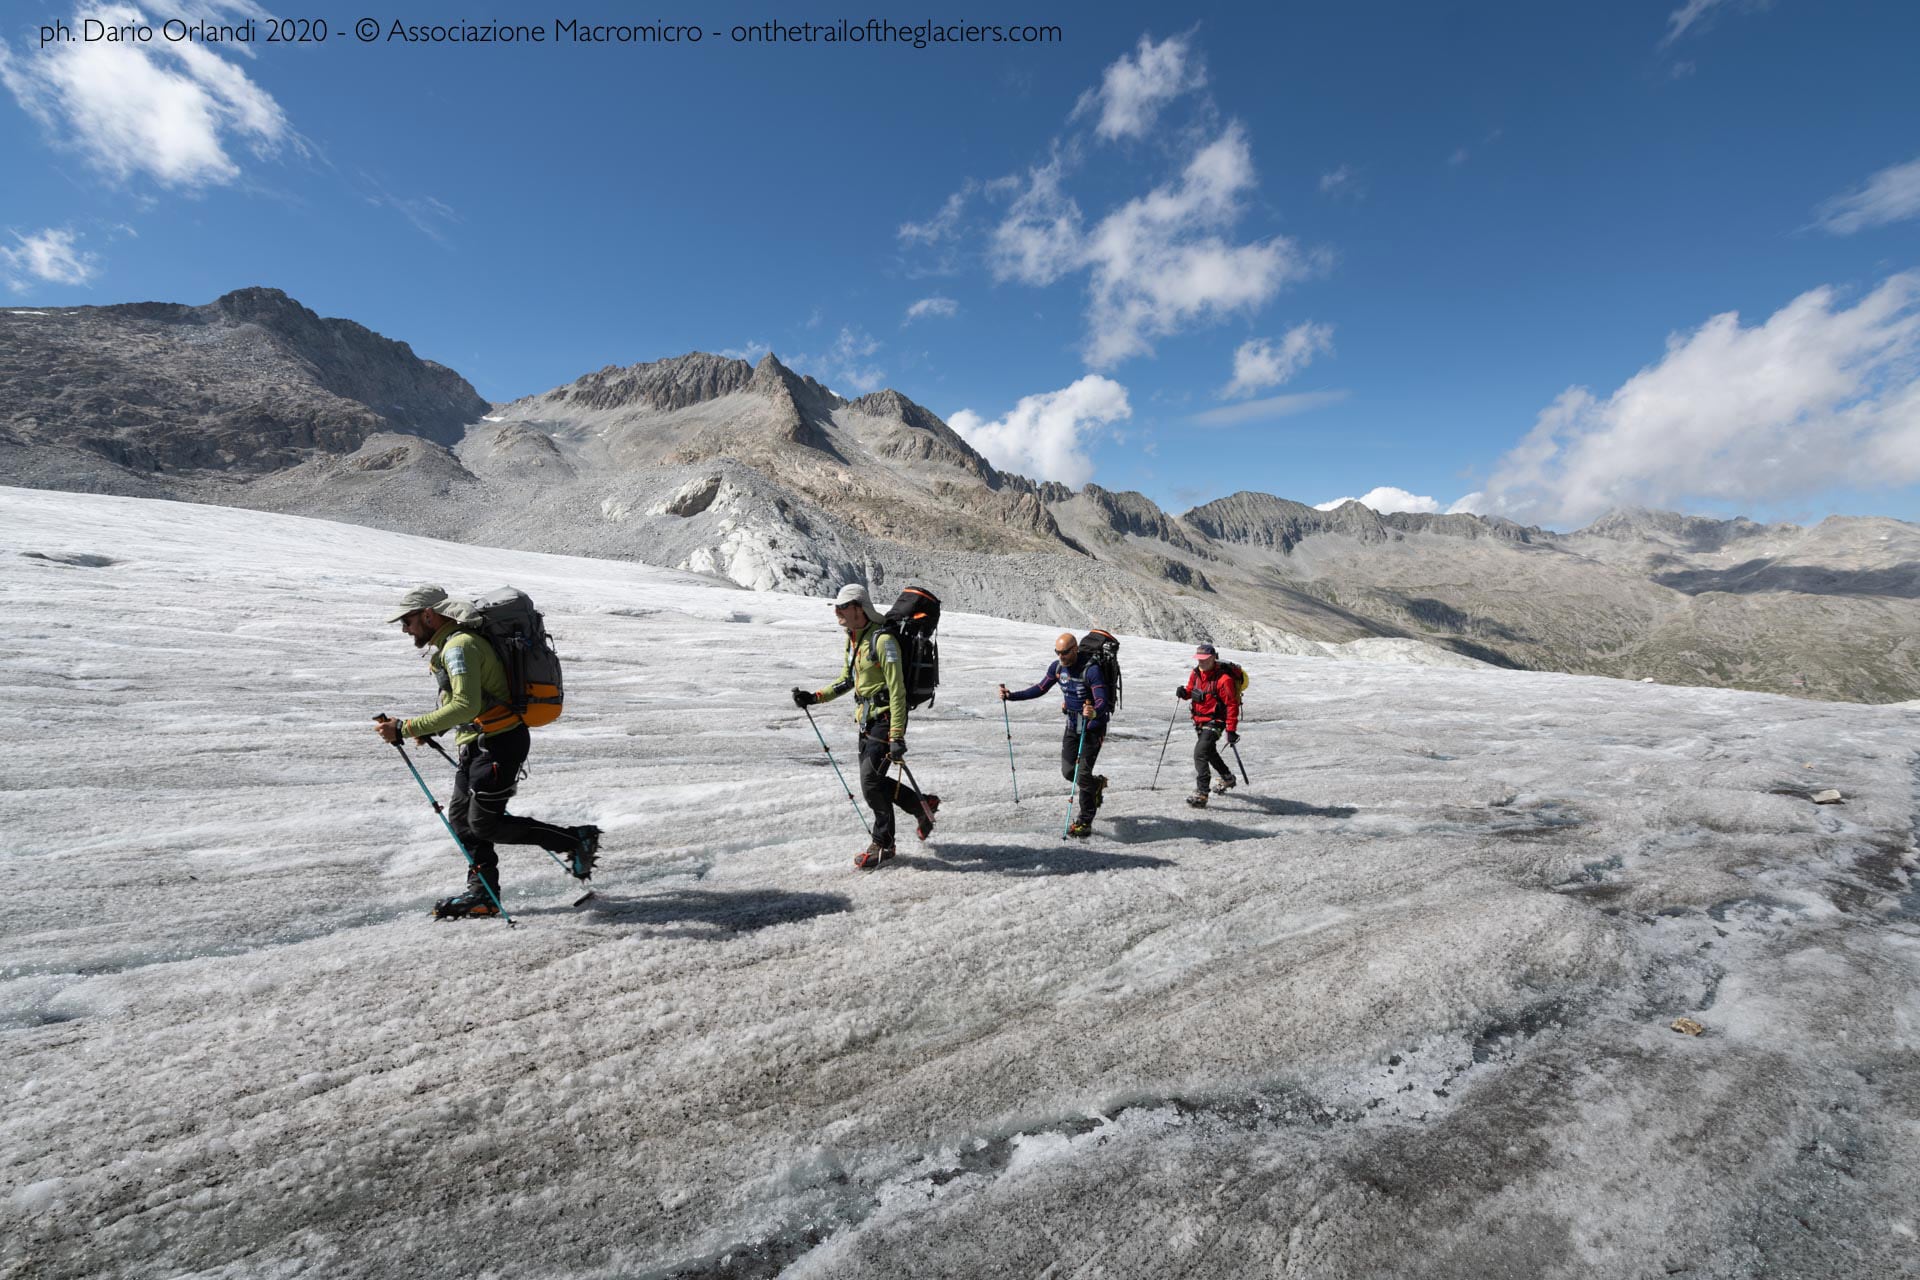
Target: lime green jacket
column 874, row 672
column 471, row 680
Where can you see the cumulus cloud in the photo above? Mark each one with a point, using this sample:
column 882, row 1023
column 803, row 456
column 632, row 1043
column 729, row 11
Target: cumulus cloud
column 1891, row 195
column 934, row 306
column 1136, row 87
column 1046, row 434
column 51, row 256
column 1384, row 499
column 169, row 110
column 750, row 351
column 1159, row 262
column 1266, row 410
column 1818, row 395
column 1260, row 363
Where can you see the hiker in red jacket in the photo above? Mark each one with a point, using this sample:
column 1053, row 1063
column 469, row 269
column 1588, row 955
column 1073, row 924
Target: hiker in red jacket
column 1216, row 711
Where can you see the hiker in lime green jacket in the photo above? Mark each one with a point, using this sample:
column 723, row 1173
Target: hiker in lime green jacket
column 874, row 674
column 493, row 743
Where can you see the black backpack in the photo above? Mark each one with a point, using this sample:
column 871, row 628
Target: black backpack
column 912, row 621
column 1104, row 648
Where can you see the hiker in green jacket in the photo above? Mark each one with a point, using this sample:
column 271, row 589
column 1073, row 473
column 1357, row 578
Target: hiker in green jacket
column 874, row 673
column 493, row 743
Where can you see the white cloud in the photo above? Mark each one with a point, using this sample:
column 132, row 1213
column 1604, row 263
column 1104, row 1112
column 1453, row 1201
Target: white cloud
column 1472, row 504
column 750, row 351
column 1045, row 434
column 1891, row 195
column 50, row 255
column 1818, row 395
column 1135, row 88
column 1040, row 239
column 943, row 225
column 167, row 109
column 1384, row 499
column 1259, row 363
column 848, row 363
column 1272, row 407
column 1459, row 157
column 1340, row 182
column 934, row 306
column 1158, row 262
column 1699, row 13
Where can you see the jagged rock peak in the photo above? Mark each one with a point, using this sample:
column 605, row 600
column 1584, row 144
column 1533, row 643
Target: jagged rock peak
column 1262, row 520
column 810, row 398
column 664, row 385
column 1130, row 512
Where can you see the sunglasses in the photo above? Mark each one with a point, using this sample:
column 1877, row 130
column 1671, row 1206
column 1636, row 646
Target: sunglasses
column 1061, row 653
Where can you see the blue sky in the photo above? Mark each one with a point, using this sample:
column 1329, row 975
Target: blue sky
column 1530, row 259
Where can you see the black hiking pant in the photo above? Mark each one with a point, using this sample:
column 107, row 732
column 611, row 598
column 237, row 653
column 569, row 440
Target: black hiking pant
column 1071, row 751
column 883, row 793
column 1206, row 751
column 489, row 770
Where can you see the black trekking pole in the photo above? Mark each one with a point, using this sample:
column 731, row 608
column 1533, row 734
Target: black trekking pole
column 915, row 784
column 557, row 861
column 1235, row 748
column 1008, row 722
column 1163, row 746
column 836, row 772
column 457, row 842
column 1078, row 754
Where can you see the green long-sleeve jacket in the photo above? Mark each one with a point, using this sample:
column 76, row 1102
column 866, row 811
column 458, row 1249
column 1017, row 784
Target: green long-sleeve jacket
column 874, row 672
column 471, row 682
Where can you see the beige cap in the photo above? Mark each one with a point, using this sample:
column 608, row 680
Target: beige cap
column 421, row 597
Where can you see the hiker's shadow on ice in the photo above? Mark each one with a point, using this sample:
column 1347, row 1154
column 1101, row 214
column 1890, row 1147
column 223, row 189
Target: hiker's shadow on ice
column 1289, row 808
column 712, row 913
column 1149, row 828
column 1062, row 859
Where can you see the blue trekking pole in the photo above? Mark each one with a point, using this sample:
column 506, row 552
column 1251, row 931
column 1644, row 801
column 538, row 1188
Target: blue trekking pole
column 836, row 771
column 1008, row 721
column 1078, row 754
column 457, row 842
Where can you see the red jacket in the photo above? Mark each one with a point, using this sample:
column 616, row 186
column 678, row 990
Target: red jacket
column 1215, row 699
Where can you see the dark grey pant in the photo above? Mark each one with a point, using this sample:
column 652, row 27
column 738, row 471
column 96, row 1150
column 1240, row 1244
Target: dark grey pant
column 1070, row 751
column 488, row 773
column 883, row 794
column 1206, row 751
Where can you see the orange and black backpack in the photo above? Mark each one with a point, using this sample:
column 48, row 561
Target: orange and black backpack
column 507, row 620
column 914, row 618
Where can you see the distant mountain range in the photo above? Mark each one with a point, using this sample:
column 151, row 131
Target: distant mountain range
column 765, row 477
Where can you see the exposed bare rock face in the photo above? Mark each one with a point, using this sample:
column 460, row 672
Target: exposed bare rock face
column 762, row 476
column 252, row 382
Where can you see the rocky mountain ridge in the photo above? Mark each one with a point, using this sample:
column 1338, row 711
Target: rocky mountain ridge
column 758, row 474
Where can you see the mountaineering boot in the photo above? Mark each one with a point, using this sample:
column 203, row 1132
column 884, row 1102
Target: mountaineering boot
column 1082, row 827
column 475, row 902
column 1099, row 791
column 1198, row 799
column 585, row 852
column 924, row 826
column 1223, row 785
column 872, row 856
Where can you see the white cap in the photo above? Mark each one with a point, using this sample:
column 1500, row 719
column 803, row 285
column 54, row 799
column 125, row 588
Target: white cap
column 853, row 592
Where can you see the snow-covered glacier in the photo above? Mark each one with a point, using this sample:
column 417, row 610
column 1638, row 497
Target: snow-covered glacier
column 1402, row 1007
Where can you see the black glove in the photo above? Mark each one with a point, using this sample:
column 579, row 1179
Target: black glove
column 801, row 698
column 897, row 749
column 1181, row 693
column 1233, row 737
